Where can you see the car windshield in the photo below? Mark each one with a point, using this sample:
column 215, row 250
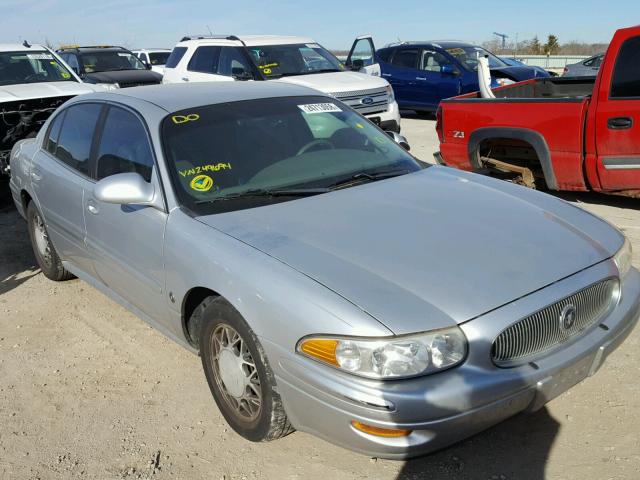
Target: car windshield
column 32, row 67
column 109, row 61
column 468, row 57
column 159, row 58
column 249, row 153
column 276, row 61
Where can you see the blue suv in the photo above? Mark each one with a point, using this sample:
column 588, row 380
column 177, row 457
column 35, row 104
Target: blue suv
column 424, row 73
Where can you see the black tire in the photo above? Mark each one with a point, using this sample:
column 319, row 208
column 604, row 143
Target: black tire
column 213, row 316
column 49, row 262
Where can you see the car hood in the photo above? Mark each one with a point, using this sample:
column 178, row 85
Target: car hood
column 337, row 82
column 124, row 76
column 430, row 249
column 29, row 91
column 517, row 73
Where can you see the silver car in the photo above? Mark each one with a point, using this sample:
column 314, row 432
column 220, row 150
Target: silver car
column 585, row 68
column 330, row 282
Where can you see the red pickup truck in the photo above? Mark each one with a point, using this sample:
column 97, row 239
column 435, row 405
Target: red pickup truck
column 560, row 133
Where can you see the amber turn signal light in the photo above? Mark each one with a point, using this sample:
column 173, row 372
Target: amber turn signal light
column 321, row 349
column 380, row 432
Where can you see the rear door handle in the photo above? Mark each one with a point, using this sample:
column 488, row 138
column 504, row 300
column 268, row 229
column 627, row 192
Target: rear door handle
column 386, row 74
column 620, row 123
column 185, row 79
column 421, row 78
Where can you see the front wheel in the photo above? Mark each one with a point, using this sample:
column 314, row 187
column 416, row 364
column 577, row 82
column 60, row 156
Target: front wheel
column 46, row 255
column 238, row 373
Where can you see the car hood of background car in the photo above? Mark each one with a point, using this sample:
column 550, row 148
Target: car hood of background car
column 29, row 91
column 124, row 76
column 336, row 82
column 429, row 249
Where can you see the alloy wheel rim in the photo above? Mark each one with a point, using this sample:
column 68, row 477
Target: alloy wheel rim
column 235, row 373
column 42, row 240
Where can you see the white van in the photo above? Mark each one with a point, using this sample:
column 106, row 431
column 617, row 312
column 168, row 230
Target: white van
column 296, row 60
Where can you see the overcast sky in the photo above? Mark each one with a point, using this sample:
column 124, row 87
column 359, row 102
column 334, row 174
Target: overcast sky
column 333, row 23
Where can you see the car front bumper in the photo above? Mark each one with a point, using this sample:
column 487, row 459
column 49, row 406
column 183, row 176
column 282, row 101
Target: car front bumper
column 388, row 120
column 444, row 408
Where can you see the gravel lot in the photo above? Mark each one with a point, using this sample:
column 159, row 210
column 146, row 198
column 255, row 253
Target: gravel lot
column 89, row 391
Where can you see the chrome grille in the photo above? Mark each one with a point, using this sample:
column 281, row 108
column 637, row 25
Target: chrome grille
column 542, row 331
column 379, row 100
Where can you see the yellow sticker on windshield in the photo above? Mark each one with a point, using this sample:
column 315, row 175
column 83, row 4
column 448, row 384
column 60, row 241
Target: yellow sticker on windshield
column 268, row 65
column 178, row 119
column 201, row 183
column 65, row 75
column 359, row 125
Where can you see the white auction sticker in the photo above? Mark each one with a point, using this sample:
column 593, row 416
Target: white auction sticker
column 319, row 108
column 39, row 56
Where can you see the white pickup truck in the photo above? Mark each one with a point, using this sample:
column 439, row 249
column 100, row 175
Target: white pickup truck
column 34, row 81
column 296, row 60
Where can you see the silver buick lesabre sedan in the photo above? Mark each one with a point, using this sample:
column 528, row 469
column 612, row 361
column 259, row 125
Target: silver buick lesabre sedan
column 330, row 282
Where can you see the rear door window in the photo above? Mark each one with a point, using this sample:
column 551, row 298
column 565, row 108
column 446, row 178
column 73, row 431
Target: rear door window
column 406, row 58
column 76, row 136
column 54, row 132
column 205, row 60
column 124, row 146
column 176, row 55
column 626, row 75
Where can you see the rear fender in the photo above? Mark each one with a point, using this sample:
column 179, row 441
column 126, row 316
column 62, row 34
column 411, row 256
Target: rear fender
column 536, row 140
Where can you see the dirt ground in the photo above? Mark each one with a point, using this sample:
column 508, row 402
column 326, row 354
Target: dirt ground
column 89, row 391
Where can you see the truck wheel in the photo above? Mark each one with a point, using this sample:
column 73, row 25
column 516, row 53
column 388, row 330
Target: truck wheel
column 45, row 253
column 239, row 374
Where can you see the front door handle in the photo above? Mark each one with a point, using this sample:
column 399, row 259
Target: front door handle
column 421, row 78
column 92, row 208
column 386, row 74
column 185, row 79
column 619, row 123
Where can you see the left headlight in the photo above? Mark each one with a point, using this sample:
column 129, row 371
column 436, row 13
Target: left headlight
column 109, row 86
column 389, row 358
column 622, row 259
column 391, row 96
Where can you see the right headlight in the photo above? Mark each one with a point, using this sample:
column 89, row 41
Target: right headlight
column 622, row 259
column 389, row 358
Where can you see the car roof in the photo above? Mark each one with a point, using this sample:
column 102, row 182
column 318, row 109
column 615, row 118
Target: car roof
column 151, row 50
column 433, row 43
column 249, row 40
column 180, row 96
column 18, row 47
column 95, row 49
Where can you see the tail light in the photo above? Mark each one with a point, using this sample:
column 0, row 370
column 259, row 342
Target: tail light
column 439, row 124
column 566, row 69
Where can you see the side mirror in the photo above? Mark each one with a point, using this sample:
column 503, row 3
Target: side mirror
column 125, row 189
column 240, row 73
column 148, row 65
column 357, row 65
column 449, row 70
column 400, row 140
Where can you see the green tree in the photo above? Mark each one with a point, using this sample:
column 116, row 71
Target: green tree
column 552, row 46
column 534, row 46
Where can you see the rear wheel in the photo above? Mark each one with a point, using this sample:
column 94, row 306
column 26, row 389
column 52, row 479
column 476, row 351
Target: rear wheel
column 46, row 255
column 238, row 373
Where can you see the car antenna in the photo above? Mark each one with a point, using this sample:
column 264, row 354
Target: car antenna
column 26, row 44
column 210, row 32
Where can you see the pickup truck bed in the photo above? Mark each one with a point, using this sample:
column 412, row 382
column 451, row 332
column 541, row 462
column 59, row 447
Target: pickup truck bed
column 524, row 107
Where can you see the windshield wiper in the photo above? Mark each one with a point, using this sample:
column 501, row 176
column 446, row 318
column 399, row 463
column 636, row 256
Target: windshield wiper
column 325, row 70
column 366, row 177
column 259, row 192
